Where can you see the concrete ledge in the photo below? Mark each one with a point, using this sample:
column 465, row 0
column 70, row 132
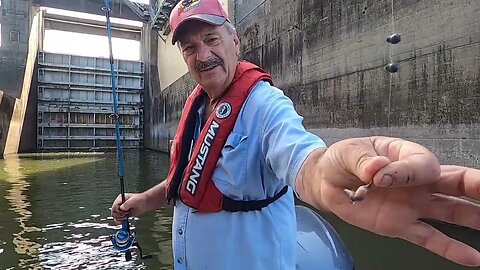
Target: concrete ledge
column 458, row 145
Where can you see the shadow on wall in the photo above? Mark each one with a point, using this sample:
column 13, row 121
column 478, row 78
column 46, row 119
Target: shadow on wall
column 7, row 104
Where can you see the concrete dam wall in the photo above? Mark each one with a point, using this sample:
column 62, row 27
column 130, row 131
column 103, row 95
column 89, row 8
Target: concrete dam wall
column 17, row 78
column 330, row 58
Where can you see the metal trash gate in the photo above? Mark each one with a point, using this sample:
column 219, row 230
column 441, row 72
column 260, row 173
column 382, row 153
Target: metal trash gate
column 75, row 102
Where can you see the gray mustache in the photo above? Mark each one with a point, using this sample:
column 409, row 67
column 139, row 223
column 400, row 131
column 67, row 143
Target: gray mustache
column 212, row 62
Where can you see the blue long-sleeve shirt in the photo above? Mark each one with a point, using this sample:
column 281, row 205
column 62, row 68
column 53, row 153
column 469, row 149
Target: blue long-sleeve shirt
column 263, row 153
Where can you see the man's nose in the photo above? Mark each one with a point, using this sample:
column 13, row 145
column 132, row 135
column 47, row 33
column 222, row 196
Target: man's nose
column 203, row 53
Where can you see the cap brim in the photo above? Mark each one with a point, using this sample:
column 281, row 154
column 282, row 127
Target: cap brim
column 207, row 18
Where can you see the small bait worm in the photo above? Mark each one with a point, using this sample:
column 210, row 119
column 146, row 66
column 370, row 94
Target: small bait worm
column 359, row 194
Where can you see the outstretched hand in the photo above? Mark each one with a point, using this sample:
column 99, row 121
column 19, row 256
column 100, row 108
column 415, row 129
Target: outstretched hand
column 408, row 184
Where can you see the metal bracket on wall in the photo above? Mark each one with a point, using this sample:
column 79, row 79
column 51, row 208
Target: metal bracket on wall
column 14, row 36
column 143, row 11
column 159, row 15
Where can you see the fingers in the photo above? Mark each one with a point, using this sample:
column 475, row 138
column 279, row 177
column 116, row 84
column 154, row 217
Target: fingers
column 412, row 171
column 453, row 210
column 352, row 159
column 389, row 162
column 369, row 166
column 135, row 204
column 430, row 238
column 412, row 164
column 119, row 212
column 459, row 181
column 119, row 217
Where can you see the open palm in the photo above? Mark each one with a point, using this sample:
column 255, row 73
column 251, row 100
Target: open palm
column 414, row 186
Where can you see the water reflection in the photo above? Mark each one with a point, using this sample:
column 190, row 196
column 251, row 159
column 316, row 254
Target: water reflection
column 81, row 247
column 19, row 204
column 161, row 233
column 57, row 216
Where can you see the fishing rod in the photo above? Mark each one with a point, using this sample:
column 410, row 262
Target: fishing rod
column 123, row 240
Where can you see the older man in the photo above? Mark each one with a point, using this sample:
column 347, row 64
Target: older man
column 241, row 150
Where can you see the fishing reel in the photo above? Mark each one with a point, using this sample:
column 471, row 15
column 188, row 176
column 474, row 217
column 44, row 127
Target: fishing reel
column 124, row 241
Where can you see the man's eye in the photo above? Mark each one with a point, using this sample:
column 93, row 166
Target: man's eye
column 189, row 49
column 212, row 40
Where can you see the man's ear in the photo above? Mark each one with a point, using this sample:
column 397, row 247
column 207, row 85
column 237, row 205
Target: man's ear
column 236, row 40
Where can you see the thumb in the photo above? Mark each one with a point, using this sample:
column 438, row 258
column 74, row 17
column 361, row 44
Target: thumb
column 348, row 161
column 369, row 166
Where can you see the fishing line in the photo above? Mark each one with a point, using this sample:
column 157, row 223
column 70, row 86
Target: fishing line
column 393, row 39
column 123, row 240
column 392, row 66
column 393, row 27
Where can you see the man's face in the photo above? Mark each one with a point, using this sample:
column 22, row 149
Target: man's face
column 210, row 52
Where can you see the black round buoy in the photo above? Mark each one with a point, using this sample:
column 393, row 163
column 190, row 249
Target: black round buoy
column 394, row 38
column 392, row 67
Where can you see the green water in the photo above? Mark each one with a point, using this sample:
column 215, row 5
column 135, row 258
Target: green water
column 54, row 214
column 54, row 211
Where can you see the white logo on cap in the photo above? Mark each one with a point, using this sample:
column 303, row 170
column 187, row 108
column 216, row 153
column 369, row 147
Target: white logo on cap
column 188, row 4
column 223, row 110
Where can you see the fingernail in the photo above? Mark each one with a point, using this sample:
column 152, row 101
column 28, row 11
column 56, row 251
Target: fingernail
column 387, row 181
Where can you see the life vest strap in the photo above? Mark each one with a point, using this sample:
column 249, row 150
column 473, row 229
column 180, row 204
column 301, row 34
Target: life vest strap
column 232, row 205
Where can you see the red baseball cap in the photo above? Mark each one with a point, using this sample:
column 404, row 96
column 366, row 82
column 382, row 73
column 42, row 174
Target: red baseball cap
column 209, row 11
